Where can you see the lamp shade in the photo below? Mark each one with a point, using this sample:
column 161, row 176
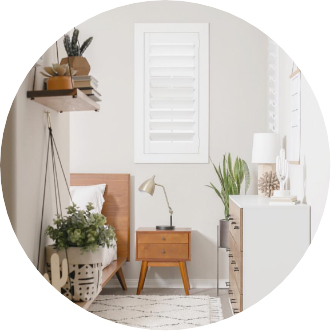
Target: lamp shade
column 148, row 186
column 266, row 147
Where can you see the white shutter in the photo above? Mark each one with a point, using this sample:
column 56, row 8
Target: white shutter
column 171, row 115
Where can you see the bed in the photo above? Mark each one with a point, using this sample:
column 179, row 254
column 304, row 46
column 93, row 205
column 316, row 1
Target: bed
column 116, row 208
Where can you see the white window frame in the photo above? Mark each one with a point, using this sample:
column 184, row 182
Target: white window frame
column 139, row 89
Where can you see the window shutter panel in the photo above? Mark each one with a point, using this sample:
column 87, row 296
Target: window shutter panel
column 171, row 93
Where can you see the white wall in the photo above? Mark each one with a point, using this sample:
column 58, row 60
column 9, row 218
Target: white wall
column 23, row 157
column 103, row 142
column 309, row 180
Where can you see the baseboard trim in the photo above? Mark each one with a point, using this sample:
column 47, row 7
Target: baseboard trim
column 169, row 283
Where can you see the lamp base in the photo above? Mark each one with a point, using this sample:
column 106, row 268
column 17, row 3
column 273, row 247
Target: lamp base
column 165, row 227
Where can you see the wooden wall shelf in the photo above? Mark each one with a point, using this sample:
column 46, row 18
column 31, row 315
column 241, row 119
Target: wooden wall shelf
column 64, row 100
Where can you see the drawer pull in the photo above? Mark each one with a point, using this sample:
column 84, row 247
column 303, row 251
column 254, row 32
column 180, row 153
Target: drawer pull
column 235, row 311
column 235, row 269
column 230, row 255
column 236, row 227
column 230, row 292
column 233, row 262
column 227, row 283
column 163, row 251
column 163, row 238
column 233, row 300
column 230, row 219
column 228, row 250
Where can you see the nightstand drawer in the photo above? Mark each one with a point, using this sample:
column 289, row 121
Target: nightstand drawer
column 175, row 252
column 162, row 238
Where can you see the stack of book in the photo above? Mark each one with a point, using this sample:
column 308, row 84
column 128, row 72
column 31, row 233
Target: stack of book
column 284, row 201
column 87, row 84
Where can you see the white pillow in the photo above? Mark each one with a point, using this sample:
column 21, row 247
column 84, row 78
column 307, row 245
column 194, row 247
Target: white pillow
column 82, row 195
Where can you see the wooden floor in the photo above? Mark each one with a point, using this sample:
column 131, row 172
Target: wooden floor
column 175, row 291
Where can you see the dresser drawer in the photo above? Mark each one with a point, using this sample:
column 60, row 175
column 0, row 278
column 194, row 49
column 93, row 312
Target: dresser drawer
column 236, row 270
column 234, row 254
column 169, row 252
column 236, row 224
column 162, row 238
column 235, row 296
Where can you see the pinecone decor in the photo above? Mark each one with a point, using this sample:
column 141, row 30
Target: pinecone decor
column 268, row 183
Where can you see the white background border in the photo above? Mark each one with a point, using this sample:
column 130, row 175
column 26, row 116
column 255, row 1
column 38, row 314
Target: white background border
column 28, row 28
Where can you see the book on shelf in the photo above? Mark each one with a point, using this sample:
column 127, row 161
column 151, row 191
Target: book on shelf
column 85, row 78
column 94, row 97
column 89, row 84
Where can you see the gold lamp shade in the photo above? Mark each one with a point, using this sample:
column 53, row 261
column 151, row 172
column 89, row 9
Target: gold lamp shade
column 148, row 186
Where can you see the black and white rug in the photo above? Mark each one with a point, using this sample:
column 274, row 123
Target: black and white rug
column 158, row 312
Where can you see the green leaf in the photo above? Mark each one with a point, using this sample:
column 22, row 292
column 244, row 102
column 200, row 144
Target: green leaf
column 247, row 176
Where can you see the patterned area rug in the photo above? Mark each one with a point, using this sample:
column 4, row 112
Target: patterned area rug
column 158, row 312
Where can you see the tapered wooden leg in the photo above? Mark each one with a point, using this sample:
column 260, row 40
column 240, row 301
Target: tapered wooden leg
column 188, row 280
column 184, row 277
column 143, row 272
column 121, row 279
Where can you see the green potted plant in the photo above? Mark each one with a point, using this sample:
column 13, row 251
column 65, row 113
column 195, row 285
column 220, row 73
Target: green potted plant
column 75, row 53
column 81, row 237
column 231, row 177
column 58, row 77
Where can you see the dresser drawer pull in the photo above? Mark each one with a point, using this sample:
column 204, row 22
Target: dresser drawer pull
column 227, row 283
column 236, row 227
column 233, row 222
column 163, row 238
column 228, row 250
column 230, row 292
column 235, row 311
column 235, row 269
column 163, row 251
column 233, row 262
column 233, row 300
column 230, row 255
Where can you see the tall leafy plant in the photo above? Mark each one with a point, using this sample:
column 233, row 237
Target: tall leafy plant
column 231, row 177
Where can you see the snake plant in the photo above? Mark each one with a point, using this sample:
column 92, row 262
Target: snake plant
column 231, row 177
column 73, row 47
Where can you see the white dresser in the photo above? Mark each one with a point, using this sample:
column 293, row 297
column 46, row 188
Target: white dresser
column 266, row 242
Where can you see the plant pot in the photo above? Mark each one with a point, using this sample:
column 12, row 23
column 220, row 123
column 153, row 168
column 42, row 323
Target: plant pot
column 85, row 272
column 223, row 234
column 59, row 83
column 79, row 63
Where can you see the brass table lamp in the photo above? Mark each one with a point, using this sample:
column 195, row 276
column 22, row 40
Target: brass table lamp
column 149, row 187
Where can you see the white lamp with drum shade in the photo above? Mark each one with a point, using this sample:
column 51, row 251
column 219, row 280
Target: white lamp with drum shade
column 266, row 148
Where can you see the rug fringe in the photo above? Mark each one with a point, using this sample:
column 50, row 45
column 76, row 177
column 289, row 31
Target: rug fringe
column 216, row 313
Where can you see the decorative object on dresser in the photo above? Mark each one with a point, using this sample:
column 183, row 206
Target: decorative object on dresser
column 167, row 248
column 260, row 258
column 148, row 186
column 156, row 312
column 265, row 150
column 282, row 170
column 231, row 179
column 75, row 52
column 268, row 183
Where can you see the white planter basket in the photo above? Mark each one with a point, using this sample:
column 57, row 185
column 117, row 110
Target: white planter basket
column 85, row 272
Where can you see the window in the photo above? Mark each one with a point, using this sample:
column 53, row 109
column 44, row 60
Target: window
column 171, row 93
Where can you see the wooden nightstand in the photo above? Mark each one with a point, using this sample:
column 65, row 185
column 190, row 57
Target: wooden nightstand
column 163, row 248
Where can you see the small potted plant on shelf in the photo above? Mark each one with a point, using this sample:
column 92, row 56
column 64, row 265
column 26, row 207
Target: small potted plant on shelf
column 231, row 178
column 75, row 53
column 80, row 238
column 58, row 77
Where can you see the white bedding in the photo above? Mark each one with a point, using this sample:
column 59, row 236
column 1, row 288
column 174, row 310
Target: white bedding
column 110, row 255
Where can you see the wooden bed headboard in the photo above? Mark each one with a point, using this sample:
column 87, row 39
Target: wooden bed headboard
column 116, row 206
